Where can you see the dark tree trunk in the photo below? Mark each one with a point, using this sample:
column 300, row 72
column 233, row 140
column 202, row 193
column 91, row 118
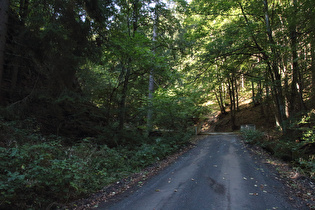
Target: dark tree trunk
column 220, row 102
column 122, row 104
column 253, row 93
column 236, row 94
column 313, row 68
column 274, row 71
column 232, row 101
column 4, row 12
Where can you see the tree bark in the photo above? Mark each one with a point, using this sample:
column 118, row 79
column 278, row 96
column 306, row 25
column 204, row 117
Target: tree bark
column 151, row 77
column 236, row 94
column 274, row 70
column 232, row 101
column 253, row 93
column 4, row 12
column 313, row 71
column 296, row 87
column 313, row 64
column 272, row 66
column 122, row 104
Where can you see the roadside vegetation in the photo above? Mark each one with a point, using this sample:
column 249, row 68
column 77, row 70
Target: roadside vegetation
column 39, row 170
column 296, row 146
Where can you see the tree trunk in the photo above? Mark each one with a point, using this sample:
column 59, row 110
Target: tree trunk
column 232, row 101
column 295, row 87
column 253, row 93
column 313, row 67
column 4, row 12
column 220, row 101
column 122, row 104
column 151, row 78
column 274, row 70
column 236, row 94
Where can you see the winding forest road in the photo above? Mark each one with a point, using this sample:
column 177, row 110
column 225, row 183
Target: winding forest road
column 219, row 173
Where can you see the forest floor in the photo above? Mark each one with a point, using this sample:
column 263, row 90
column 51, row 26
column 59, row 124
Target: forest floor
column 298, row 184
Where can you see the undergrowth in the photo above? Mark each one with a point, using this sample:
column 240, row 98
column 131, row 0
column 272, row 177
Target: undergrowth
column 41, row 170
column 297, row 145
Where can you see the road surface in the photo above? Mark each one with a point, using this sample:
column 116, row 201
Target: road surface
column 219, row 173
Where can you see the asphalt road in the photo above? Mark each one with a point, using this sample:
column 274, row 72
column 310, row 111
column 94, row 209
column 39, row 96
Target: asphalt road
column 219, row 173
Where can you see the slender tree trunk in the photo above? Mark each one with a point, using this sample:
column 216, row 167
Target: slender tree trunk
column 232, row 101
column 4, row 12
column 220, row 101
column 151, row 78
column 313, row 67
column 295, row 66
column 274, row 69
column 272, row 65
column 253, row 93
column 236, row 94
column 122, row 104
column 267, row 97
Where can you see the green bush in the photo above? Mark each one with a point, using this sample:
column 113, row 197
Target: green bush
column 176, row 111
column 306, row 147
column 252, row 136
column 39, row 174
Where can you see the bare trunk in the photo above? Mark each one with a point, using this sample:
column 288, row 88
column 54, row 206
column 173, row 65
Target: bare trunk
column 122, row 104
column 232, row 101
column 151, row 79
column 4, row 11
column 220, row 101
column 313, row 68
column 274, row 70
column 236, row 94
column 253, row 93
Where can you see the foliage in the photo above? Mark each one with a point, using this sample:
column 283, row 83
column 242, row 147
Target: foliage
column 178, row 110
column 306, row 147
column 36, row 175
column 297, row 146
column 252, row 136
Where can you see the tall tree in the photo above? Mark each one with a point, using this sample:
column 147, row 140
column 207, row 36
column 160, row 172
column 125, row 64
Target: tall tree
column 151, row 76
column 4, row 11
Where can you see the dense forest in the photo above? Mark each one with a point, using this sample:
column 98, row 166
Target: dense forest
column 94, row 90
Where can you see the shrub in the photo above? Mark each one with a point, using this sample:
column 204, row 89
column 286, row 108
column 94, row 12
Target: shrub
column 252, row 136
column 33, row 176
column 39, row 174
